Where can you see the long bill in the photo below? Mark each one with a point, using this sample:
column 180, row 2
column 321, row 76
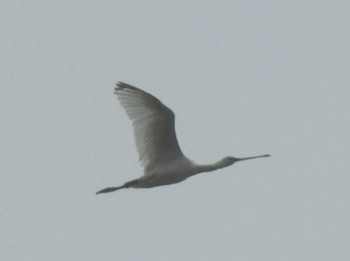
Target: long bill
column 254, row 157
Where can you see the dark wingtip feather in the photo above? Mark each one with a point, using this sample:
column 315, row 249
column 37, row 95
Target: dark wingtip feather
column 122, row 85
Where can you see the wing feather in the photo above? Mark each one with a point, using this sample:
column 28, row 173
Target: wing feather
column 153, row 124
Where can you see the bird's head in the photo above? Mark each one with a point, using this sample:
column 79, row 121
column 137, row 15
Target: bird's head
column 227, row 161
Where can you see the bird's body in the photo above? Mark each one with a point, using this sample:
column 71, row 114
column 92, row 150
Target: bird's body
column 156, row 142
column 174, row 172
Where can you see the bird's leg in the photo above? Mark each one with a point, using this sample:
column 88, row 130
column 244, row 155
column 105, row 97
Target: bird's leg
column 111, row 189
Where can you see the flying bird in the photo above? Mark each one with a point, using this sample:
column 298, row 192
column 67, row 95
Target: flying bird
column 156, row 142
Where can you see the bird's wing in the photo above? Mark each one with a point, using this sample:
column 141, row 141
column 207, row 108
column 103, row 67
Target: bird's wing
column 153, row 123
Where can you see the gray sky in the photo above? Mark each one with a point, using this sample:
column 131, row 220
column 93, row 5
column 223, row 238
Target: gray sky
column 243, row 77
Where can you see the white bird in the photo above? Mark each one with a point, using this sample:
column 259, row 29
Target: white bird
column 156, row 142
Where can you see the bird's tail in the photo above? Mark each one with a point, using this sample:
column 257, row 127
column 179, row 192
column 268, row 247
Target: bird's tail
column 111, row 189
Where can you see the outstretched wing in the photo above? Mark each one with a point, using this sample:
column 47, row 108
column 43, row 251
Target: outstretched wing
column 153, row 123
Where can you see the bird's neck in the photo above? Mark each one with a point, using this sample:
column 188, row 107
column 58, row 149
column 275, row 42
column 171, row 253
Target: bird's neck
column 210, row 167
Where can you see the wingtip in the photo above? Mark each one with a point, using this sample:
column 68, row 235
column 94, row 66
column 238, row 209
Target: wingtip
column 120, row 85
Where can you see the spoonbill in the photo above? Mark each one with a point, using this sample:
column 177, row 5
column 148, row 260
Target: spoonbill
column 156, row 142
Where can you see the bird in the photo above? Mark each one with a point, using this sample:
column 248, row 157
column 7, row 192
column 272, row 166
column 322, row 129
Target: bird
column 156, row 142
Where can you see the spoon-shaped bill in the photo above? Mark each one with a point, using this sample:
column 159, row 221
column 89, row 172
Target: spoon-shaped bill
column 254, row 157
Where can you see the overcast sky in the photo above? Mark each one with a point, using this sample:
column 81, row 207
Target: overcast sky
column 243, row 77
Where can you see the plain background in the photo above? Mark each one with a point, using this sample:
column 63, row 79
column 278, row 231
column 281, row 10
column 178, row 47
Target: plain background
column 243, row 77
